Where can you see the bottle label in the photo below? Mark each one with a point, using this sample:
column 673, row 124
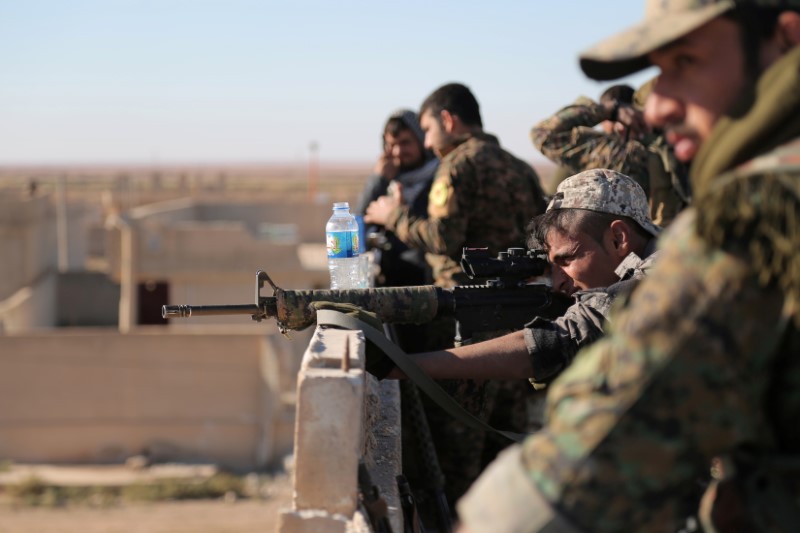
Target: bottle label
column 342, row 244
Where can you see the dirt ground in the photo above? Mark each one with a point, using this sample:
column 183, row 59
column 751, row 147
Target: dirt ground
column 206, row 516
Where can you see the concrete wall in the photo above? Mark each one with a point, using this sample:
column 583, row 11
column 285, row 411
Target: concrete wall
column 29, row 257
column 28, row 246
column 208, row 253
column 32, row 307
column 85, row 299
column 95, row 396
column 344, row 417
column 186, row 241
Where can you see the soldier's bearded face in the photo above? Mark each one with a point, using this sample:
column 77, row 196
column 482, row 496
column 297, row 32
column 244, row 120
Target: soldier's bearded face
column 436, row 138
column 404, row 149
column 702, row 77
column 580, row 262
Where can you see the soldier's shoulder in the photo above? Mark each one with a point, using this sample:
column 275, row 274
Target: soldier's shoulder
column 785, row 157
column 466, row 154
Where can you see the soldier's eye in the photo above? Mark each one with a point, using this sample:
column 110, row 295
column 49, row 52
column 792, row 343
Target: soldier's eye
column 684, row 60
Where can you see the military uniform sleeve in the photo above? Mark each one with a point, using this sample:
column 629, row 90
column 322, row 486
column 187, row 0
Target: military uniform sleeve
column 552, row 344
column 503, row 500
column 449, row 204
column 569, row 138
column 679, row 379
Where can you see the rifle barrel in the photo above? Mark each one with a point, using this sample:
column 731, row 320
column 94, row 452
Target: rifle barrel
column 185, row 311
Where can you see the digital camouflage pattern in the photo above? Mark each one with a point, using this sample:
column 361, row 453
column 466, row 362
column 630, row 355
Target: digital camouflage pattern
column 605, row 191
column 701, row 362
column 569, row 138
column 481, row 196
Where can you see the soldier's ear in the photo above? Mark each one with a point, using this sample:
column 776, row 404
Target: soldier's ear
column 448, row 121
column 621, row 238
column 789, row 29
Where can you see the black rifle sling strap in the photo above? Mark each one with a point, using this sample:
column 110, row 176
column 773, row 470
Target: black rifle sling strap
column 329, row 317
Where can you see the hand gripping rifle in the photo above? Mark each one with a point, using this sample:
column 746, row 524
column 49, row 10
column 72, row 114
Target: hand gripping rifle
column 505, row 302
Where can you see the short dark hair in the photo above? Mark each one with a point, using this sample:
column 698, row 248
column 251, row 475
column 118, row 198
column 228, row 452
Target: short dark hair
column 456, row 99
column 618, row 93
column 574, row 221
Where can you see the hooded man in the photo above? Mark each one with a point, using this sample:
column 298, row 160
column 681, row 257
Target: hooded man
column 408, row 167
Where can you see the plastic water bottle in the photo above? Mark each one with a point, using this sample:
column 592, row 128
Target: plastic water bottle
column 341, row 237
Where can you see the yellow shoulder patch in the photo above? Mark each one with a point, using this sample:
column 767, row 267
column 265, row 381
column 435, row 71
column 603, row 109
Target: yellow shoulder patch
column 440, row 192
column 442, row 201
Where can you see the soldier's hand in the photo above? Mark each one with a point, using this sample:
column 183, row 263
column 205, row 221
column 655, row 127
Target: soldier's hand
column 395, row 190
column 633, row 121
column 378, row 211
column 384, row 167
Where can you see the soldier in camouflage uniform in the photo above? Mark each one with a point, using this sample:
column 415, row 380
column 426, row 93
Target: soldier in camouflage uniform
column 481, row 196
column 614, row 96
column 600, row 241
column 702, row 361
column 569, row 138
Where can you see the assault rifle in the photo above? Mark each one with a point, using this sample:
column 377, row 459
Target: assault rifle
column 506, row 301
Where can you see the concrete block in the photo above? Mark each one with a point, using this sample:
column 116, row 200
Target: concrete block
column 311, row 522
column 328, row 433
column 327, row 439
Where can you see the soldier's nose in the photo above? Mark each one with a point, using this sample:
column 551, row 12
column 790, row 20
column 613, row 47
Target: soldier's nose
column 661, row 109
column 559, row 279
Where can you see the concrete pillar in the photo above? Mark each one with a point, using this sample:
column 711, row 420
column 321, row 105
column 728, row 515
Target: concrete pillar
column 128, row 286
column 343, row 416
column 311, row 522
column 62, row 231
column 328, row 431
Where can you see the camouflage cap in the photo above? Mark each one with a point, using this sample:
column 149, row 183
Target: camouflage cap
column 664, row 21
column 605, row 191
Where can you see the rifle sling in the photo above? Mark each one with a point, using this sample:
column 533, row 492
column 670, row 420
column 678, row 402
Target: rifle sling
column 329, row 317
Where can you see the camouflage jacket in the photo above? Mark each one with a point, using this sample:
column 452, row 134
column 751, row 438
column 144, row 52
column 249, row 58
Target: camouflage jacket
column 482, row 196
column 700, row 363
column 569, row 138
column 553, row 344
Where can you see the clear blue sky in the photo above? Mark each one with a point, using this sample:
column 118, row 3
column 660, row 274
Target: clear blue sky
column 252, row 81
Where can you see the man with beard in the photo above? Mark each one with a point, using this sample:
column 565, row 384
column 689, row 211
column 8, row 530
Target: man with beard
column 482, row 196
column 406, row 167
column 700, row 367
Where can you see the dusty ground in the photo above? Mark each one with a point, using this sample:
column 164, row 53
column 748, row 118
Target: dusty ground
column 206, row 516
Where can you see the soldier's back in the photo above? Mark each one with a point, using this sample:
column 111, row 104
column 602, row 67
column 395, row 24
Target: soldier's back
column 496, row 195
